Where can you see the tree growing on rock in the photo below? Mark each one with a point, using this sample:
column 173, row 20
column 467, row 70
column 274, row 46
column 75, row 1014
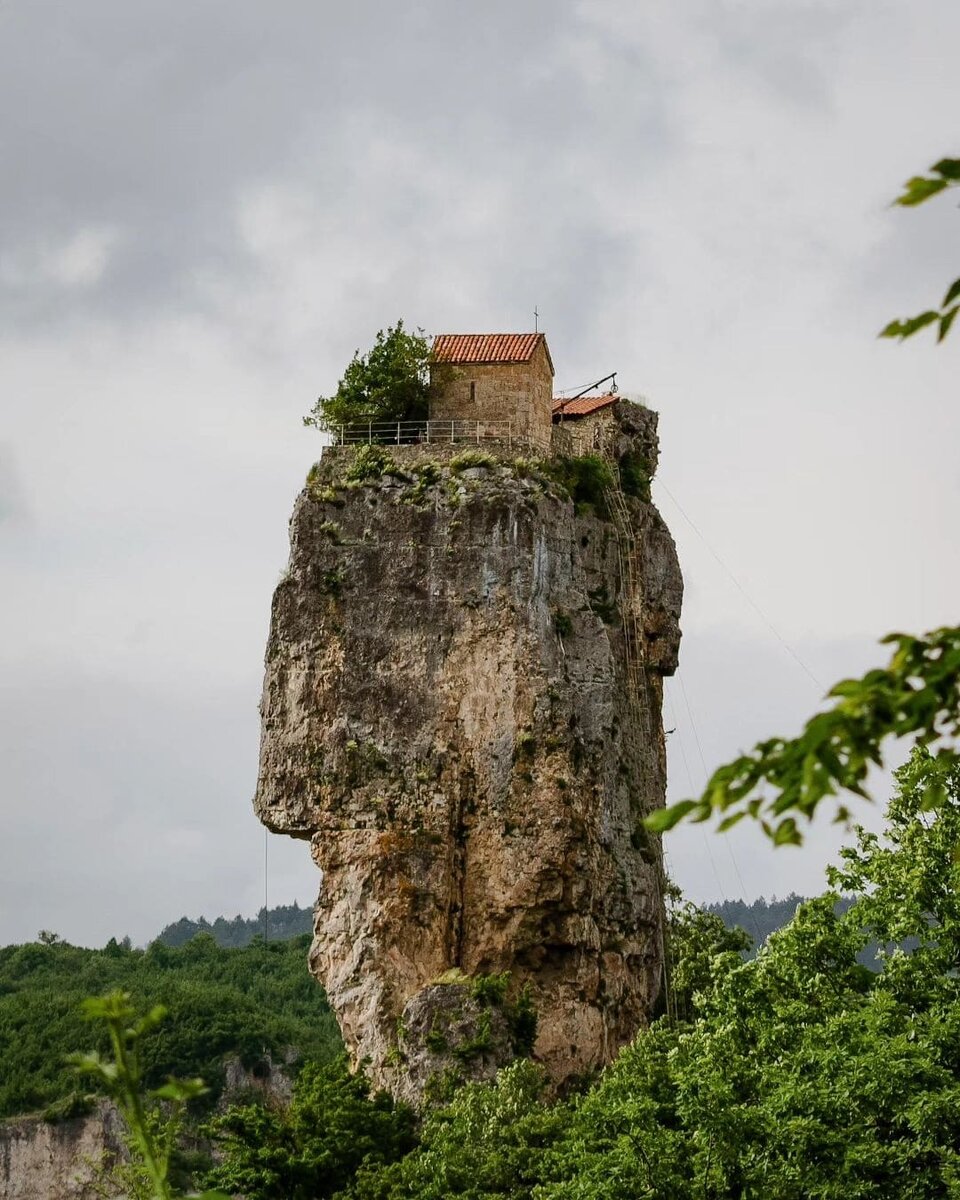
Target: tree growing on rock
column 389, row 383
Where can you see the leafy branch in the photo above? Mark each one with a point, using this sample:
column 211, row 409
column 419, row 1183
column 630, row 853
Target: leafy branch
column 151, row 1142
column 943, row 174
column 916, row 695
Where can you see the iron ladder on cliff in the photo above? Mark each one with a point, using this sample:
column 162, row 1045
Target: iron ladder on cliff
column 638, row 690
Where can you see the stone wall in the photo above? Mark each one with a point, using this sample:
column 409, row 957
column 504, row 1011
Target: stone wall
column 585, row 435
column 520, row 393
column 621, row 427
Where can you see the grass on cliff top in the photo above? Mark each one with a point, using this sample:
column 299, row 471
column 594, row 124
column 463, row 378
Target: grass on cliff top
column 585, row 478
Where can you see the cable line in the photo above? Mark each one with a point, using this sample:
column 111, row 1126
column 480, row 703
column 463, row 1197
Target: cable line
column 726, row 837
column 692, row 787
column 743, row 591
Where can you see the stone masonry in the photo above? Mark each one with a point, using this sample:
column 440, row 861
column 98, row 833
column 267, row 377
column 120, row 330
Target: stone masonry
column 510, row 388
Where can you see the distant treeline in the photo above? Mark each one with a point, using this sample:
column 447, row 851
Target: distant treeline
column 762, row 917
column 277, row 925
column 759, row 918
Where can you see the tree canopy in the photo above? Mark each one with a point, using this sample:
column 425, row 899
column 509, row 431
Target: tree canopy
column 283, row 922
column 222, row 1003
column 389, row 383
column 314, row 1146
column 796, row 1074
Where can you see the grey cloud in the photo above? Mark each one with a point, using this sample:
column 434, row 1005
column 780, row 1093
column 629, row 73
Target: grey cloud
column 908, row 271
column 791, row 49
column 208, row 206
column 732, row 691
column 124, row 806
column 13, row 500
column 151, row 121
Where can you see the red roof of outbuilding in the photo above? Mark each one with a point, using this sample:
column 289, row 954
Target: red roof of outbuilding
column 583, row 406
column 488, row 347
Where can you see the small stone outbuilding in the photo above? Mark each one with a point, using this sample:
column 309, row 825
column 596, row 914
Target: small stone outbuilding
column 583, row 425
column 494, row 377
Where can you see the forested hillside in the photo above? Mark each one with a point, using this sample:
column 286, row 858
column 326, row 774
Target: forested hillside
column 798, row 1073
column 759, row 918
column 245, row 1002
column 228, row 993
column 762, row 917
column 275, row 924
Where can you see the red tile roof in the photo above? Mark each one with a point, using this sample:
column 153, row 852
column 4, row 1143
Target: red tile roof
column 488, row 347
column 583, row 406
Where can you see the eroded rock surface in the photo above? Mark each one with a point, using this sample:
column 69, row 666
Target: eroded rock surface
column 58, row 1161
column 452, row 718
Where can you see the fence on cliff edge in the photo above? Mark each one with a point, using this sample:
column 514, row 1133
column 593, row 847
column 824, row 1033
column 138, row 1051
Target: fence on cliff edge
column 455, row 433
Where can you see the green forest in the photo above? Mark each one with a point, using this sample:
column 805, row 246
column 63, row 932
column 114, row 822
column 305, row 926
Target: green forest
column 796, row 1072
column 228, row 993
column 274, row 924
column 221, row 1002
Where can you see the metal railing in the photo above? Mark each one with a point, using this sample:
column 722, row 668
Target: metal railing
column 411, row 433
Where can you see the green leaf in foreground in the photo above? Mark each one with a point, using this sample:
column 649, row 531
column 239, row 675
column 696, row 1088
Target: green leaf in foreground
column 944, row 174
column 953, row 293
column 916, row 695
column 948, row 168
column 909, row 325
column 918, row 189
column 946, row 321
column 151, row 1129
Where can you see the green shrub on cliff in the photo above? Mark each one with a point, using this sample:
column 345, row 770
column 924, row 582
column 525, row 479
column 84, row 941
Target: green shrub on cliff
column 468, row 459
column 369, row 462
column 585, row 478
column 634, row 473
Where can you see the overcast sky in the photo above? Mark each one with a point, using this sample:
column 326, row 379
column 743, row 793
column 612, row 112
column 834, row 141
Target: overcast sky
column 207, row 206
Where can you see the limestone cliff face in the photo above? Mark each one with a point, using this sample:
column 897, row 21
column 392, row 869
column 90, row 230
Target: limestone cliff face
column 461, row 712
column 41, row 1161
column 62, row 1160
